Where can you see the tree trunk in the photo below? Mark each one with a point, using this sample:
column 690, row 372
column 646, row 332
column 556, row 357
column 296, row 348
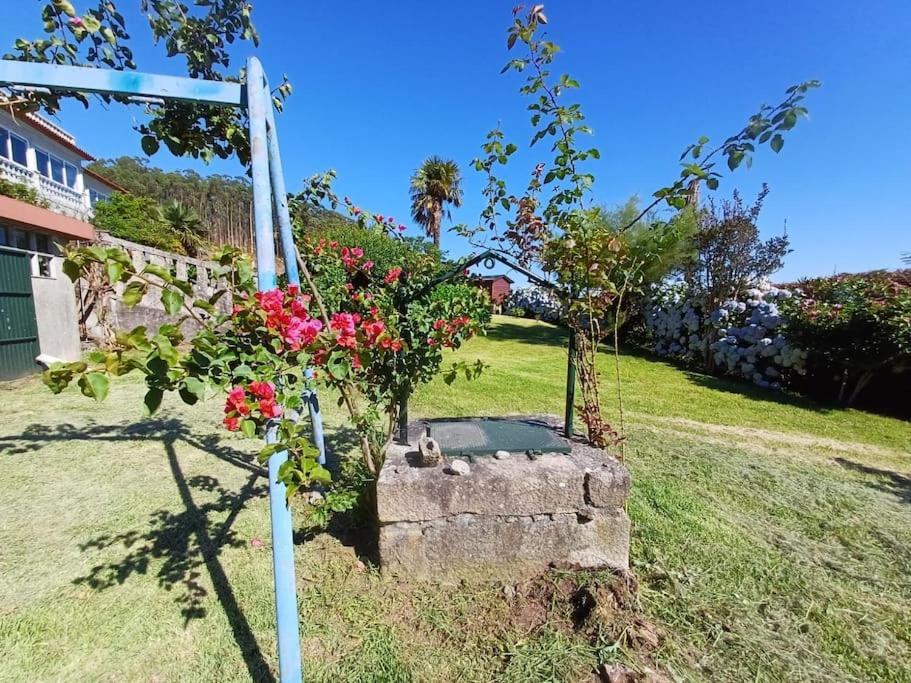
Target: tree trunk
column 437, row 225
column 862, row 382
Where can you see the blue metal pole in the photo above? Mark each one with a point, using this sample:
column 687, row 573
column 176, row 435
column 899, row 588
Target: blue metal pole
column 316, row 420
column 280, row 198
column 289, row 655
column 279, row 193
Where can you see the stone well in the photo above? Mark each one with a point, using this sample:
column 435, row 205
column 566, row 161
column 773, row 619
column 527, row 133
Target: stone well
column 508, row 518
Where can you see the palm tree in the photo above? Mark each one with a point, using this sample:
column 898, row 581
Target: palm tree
column 186, row 226
column 435, row 184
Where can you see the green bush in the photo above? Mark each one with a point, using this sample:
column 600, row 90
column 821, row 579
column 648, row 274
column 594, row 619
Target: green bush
column 23, row 193
column 137, row 219
column 856, row 329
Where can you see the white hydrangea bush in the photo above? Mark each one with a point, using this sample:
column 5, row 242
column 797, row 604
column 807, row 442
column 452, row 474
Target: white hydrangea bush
column 750, row 335
column 536, row 302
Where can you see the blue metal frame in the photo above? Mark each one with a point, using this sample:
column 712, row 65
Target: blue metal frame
column 268, row 192
column 258, row 102
column 111, row 82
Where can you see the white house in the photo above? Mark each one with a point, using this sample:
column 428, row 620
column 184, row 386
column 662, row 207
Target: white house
column 40, row 154
column 37, row 301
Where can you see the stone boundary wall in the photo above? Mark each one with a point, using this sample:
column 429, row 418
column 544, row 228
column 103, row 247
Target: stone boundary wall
column 150, row 311
column 506, row 519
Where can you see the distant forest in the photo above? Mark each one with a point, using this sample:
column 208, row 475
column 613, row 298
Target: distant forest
column 223, row 203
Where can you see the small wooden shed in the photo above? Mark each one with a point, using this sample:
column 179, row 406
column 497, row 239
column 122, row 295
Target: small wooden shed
column 497, row 287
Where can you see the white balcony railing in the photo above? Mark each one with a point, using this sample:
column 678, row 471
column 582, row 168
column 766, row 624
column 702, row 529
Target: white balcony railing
column 10, row 170
column 60, row 198
column 64, row 198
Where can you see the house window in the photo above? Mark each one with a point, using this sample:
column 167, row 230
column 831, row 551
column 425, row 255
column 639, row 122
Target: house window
column 71, row 173
column 18, row 149
column 95, row 196
column 56, row 168
column 42, row 243
column 43, row 265
column 19, row 239
column 13, row 147
column 44, row 162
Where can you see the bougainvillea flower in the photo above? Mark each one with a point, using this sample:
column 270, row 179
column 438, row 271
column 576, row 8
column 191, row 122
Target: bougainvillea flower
column 236, row 397
column 345, row 327
column 232, row 423
column 373, row 329
column 262, row 389
column 300, row 332
column 269, row 408
column 393, row 275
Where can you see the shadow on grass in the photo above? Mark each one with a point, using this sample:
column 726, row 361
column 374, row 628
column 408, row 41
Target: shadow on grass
column 548, row 335
column 186, row 543
column 894, row 483
column 731, row 385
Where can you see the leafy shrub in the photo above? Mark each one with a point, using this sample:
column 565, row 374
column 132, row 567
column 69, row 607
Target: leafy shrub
column 746, row 339
column 856, row 326
column 23, row 193
column 137, row 219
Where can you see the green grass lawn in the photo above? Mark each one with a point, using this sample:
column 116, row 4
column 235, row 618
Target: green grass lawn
column 771, row 541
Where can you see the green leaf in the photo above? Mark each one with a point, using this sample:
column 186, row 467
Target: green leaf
column 271, row 450
column 149, row 145
column 187, row 397
column 248, row 427
column 172, row 301
column 90, row 23
column 114, row 271
column 94, row 385
column 777, row 143
column 166, row 351
column 320, row 474
column 338, row 365
column 152, row 400
column 71, row 269
column 158, row 271
column 65, row 7
column 196, row 387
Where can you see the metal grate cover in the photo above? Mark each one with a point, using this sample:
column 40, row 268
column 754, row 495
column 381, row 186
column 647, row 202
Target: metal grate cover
column 485, row 436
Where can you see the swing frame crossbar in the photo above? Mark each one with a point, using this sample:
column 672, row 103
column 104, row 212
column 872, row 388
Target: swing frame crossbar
column 269, row 194
column 487, row 258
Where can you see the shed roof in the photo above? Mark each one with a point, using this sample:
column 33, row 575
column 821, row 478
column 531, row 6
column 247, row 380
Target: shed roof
column 493, row 278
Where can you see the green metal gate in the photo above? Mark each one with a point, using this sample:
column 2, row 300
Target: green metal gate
column 18, row 326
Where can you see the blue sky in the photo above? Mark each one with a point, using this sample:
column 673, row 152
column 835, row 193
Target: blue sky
column 379, row 86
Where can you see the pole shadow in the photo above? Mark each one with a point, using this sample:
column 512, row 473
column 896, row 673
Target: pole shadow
column 185, row 543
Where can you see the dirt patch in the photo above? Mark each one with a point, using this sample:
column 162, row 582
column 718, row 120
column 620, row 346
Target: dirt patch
column 598, row 607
